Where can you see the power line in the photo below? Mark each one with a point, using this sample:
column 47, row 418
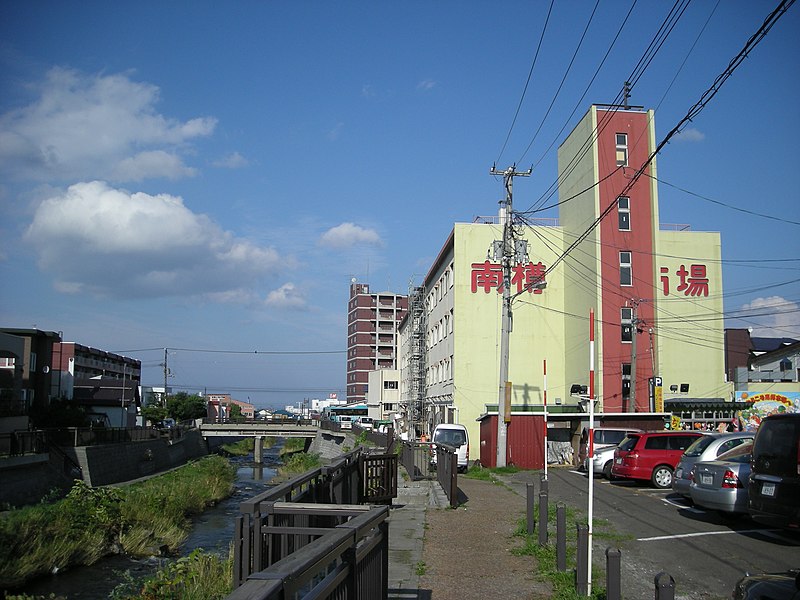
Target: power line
column 719, row 203
column 695, row 110
column 527, row 82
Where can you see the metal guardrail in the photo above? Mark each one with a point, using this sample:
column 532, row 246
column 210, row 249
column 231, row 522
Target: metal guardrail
column 416, row 458
column 312, row 535
column 18, row 443
column 39, row 441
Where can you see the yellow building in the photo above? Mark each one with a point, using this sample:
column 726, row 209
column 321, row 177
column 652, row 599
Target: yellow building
column 655, row 289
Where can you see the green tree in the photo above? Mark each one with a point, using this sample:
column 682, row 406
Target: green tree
column 236, row 412
column 182, row 406
column 154, row 413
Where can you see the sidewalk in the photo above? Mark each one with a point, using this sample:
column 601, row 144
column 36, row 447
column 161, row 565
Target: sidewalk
column 438, row 553
column 406, row 532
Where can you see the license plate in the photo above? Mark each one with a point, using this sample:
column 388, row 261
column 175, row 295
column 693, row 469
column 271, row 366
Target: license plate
column 618, row 461
column 679, row 473
column 706, row 479
column 768, row 489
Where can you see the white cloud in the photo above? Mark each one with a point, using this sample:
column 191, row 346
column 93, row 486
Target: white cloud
column 368, row 90
column 690, row 134
column 773, row 317
column 155, row 163
column 95, row 126
column 347, row 235
column 335, row 132
column 110, row 242
column 426, row 84
column 232, row 161
column 286, row 296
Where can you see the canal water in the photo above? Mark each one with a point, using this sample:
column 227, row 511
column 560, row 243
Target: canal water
column 212, row 531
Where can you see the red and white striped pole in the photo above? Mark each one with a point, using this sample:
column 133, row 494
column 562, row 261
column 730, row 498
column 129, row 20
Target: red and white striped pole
column 545, row 419
column 591, row 445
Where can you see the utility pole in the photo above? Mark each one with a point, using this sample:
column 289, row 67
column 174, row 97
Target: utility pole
column 166, row 370
column 634, row 335
column 506, row 252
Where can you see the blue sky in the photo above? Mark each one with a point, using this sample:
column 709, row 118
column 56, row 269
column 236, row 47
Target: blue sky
column 210, row 176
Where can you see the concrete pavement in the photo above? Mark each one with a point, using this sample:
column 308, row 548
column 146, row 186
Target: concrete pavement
column 406, row 533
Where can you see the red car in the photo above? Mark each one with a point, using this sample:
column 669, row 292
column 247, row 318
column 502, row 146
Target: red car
column 651, row 456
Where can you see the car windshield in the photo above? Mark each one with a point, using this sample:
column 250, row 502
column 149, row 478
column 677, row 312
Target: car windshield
column 697, row 447
column 450, row 437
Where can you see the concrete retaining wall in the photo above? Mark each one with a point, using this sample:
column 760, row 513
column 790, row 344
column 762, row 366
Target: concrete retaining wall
column 27, row 479
column 330, row 445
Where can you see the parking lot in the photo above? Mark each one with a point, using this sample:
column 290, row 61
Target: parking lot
column 657, row 530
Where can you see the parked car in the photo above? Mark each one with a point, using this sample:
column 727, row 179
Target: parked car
column 602, row 461
column 455, row 436
column 774, row 492
column 707, row 447
column 365, row 422
column 769, row 586
column 721, row 484
column 604, row 437
column 651, row 456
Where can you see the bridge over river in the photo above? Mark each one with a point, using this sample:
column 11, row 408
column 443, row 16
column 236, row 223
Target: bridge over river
column 261, row 429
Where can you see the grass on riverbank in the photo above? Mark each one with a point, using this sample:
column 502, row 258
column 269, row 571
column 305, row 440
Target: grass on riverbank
column 199, row 576
column 142, row 519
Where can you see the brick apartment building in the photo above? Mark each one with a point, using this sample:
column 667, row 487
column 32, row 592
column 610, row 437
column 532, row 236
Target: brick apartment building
column 372, row 320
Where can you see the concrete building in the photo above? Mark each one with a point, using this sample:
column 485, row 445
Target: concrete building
column 655, row 290
column 218, row 407
column 75, row 361
column 383, row 398
column 372, row 320
column 26, row 370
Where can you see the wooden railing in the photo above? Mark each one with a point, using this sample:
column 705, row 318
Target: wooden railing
column 313, row 536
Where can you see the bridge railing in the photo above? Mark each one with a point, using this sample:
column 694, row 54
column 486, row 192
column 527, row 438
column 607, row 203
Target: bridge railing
column 277, row 524
column 348, row 560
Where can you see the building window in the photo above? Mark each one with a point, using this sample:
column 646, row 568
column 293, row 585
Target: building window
column 625, row 268
column 626, row 380
column 627, row 324
column 390, row 385
column 622, row 149
column 624, row 213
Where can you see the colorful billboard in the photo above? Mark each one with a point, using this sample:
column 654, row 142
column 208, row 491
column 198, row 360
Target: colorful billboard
column 763, row 404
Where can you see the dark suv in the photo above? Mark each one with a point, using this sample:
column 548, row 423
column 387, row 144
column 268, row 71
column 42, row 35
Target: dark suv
column 774, row 490
column 651, row 455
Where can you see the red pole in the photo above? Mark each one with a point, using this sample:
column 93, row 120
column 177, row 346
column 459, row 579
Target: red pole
column 545, row 418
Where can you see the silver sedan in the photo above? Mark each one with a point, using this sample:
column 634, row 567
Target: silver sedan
column 722, row 484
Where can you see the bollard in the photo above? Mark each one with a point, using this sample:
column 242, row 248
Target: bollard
column 542, row 518
column 561, row 537
column 544, row 486
column 613, row 574
column 665, row 586
column 531, row 503
column 582, row 560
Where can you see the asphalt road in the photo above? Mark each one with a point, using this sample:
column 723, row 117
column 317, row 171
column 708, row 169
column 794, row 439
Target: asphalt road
column 657, row 530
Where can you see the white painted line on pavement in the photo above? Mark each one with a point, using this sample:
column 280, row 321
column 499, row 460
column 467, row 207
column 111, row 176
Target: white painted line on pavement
column 685, row 507
column 698, row 534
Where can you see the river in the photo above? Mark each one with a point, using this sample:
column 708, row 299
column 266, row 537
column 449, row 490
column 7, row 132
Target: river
column 212, row 531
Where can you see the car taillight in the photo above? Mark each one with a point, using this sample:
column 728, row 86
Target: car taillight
column 729, row 480
column 467, row 452
column 691, row 476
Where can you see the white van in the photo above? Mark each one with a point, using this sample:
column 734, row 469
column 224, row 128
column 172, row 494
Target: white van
column 454, row 435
